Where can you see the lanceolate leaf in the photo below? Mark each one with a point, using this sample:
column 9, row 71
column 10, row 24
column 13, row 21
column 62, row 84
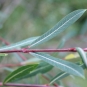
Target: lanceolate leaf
column 43, row 67
column 66, row 66
column 59, row 77
column 59, row 27
column 19, row 44
column 19, row 73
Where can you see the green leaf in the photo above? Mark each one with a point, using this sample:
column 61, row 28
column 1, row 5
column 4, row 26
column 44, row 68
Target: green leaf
column 66, row 66
column 82, row 55
column 60, row 45
column 59, row 76
column 71, row 34
column 31, row 61
column 19, row 44
column 59, row 27
column 84, row 28
column 20, row 72
column 62, row 75
column 43, row 67
column 3, row 54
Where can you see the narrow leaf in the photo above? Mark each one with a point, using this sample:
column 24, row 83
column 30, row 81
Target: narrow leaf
column 20, row 72
column 43, row 67
column 19, row 44
column 66, row 66
column 59, row 76
column 59, row 27
column 84, row 28
column 60, row 45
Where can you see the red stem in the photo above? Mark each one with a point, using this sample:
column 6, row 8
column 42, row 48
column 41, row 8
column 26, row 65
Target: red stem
column 24, row 50
column 23, row 85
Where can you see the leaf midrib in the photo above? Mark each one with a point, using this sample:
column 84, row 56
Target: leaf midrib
column 56, row 29
column 60, row 64
column 17, row 74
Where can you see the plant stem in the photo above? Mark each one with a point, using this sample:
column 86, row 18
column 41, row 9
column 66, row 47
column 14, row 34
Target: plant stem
column 24, row 50
column 23, row 85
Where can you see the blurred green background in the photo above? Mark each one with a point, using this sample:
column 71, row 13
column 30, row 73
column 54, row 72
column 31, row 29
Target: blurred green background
column 21, row 19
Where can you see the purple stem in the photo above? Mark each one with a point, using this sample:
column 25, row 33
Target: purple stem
column 24, row 85
column 24, row 50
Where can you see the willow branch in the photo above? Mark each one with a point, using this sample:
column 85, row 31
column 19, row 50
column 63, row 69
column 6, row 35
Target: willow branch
column 25, row 50
column 23, row 85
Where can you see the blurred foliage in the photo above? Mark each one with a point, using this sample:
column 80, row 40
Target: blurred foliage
column 21, row 19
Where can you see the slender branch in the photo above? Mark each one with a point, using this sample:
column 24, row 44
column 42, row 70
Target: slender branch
column 25, row 50
column 23, row 85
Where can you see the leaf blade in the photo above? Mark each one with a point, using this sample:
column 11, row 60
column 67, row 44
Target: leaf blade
column 59, row 76
column 42, row 68
column 66, row 66
column 59, row 27
column 19, row 44
column 20, row 72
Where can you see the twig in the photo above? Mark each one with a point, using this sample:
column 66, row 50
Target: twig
column 23, row 85
column 25, row 50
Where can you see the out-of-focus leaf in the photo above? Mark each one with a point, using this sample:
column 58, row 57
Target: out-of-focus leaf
column 71, row 34
column 8, row 69
column 71, row 56
column 19, row 44
column 66, row 66
column 84, row 28
column 59, row 76
column 60, row 45
column 31, row 61
column 3, row 54
column 20, row 72
column 59, row 27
